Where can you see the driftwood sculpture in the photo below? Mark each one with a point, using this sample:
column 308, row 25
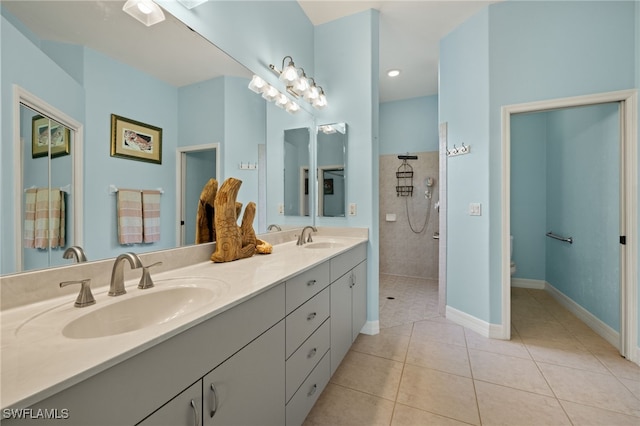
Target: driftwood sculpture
column 205, row 227
column 229, row 236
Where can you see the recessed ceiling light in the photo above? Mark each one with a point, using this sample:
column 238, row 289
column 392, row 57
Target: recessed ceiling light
column 393, row 73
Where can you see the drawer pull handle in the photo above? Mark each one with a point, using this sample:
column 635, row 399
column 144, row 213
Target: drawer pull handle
column 312, row 353
column 311, row 282
column 311, row 316
column 196, row 422
column 214, row 401
column 313, row 390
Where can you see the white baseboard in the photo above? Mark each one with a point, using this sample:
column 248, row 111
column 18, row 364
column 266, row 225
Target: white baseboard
column 493, row 331
column 527, row 283
column 606, row 332
column 371, row 328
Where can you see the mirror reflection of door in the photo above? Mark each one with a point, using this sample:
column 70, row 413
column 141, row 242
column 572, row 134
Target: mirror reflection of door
column 198, row 166
column 47, row 200
column 332, row 153
column 296, row 170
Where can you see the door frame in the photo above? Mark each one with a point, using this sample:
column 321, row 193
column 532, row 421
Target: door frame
column 628, row 101
column 181, row 170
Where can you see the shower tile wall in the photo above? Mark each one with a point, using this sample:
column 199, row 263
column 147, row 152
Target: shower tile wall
column 402, row 252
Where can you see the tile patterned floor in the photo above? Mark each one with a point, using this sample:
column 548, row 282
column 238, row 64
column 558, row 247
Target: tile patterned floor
column 425, row 370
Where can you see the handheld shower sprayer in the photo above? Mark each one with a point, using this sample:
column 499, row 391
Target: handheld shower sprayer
column 429, row 182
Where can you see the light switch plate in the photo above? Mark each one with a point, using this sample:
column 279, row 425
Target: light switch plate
column 281, row 208
column 475, row 209
column 353, row 209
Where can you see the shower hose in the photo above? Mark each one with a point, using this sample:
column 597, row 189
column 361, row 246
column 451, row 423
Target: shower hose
column 426, row 218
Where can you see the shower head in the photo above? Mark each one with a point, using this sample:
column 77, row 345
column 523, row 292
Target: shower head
column 407, row 157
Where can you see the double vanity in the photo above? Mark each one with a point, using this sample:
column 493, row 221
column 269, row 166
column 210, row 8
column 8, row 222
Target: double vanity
column 253, row 341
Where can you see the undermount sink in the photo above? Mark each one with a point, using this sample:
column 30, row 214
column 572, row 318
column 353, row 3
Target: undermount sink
column 158, row 306
column 324, row 245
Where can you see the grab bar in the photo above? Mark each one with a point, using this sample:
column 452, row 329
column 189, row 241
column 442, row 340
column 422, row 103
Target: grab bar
column 557, row 237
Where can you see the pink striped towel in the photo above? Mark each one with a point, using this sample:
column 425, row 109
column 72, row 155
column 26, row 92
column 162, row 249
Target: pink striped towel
column 30, row 218
column 129, row 211
column 151, row 215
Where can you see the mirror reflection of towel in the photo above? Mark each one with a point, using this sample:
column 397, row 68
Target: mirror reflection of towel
column 44, row 224
column 151, row 215
column 129, row 210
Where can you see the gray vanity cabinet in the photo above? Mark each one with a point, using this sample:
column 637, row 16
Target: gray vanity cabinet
column 253, row 377
column 183, row 410
column 248, row 389
column 348, row 301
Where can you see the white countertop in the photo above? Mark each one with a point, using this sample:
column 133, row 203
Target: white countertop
column 39, row 361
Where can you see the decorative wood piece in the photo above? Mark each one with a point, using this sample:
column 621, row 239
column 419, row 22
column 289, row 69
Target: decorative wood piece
column 263, row 247
column 229, row 236
column 205, row 227
column 246, row 229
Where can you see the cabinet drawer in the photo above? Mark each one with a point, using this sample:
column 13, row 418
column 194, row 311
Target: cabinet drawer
column 341, row 264
column 305, row 320
column 300, row 364
column 303, row 287
column 307, row 395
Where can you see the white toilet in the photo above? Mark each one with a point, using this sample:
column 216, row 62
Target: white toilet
column 513, row 264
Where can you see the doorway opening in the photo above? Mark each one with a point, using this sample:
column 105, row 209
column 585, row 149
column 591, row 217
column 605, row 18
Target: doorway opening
column 195, row 165
column 628, row 204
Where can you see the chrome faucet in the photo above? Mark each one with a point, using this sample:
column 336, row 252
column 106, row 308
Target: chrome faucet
column 117, row 274
column 274, row 226
column 301, row 237
column 75, row 251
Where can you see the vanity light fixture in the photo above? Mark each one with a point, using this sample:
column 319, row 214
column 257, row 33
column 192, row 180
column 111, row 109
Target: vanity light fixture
column 271, row 94
column 299, row 85
column 145, row 11
column 190, row 4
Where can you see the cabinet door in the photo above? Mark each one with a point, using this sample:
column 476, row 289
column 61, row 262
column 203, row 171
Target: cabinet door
column 359, row 298
column 341, row 334
column 249, row 388
column 185, row 409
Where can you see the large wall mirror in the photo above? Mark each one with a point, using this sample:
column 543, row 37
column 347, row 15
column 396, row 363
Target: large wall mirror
column 166, row 76
column 331, row 161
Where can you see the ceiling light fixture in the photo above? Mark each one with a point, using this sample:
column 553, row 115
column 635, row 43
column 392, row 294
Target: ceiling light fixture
column 190, row 4
column 145, row 11
column 393, row 73
column 299, row 85
column 271, row 94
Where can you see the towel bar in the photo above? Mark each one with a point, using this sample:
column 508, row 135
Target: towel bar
column 557, row 237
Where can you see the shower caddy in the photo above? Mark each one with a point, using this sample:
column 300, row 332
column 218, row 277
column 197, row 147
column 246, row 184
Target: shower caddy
column 404, row 174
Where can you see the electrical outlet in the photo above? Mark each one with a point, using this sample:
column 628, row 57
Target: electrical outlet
column 280, row 208
column 475, row 209
column 353, row 209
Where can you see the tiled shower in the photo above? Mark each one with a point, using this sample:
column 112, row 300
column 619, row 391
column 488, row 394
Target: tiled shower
column 402, row 251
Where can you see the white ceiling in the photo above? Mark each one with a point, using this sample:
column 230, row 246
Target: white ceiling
column 409, row 34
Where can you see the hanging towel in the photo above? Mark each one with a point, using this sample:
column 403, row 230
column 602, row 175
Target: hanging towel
column 30, row 218
column 129, row 216
column 42, row 219
column 151, row 215
column 55, row 210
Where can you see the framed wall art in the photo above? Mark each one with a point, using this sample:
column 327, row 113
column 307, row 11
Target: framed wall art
column 135, row 140
column 46, row 132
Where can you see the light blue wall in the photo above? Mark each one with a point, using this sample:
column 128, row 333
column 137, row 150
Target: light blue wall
column 115, row 88
column 25, row 65
column 582, row 48
column 583, row 158
column 409, row 125
column 529, row 193
column 352, row 43
column 464, row 105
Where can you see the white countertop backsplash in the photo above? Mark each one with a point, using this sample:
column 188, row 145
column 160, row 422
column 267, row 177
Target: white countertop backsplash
column 38, row 361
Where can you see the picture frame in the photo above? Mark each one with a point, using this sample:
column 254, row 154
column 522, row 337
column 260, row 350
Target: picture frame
column 328, row 186
column 135, row 140
column 40, row 134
